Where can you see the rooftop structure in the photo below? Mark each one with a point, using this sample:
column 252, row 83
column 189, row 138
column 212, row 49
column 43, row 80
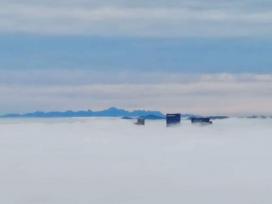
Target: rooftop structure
column 173, row 119
column 201, row 120
column 140, row 121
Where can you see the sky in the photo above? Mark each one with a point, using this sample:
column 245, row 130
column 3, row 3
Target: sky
column 193, row 56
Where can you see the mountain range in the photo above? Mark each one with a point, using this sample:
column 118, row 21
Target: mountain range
column 110, row 112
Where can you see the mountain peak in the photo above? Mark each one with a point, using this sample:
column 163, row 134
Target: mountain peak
column 114, row 109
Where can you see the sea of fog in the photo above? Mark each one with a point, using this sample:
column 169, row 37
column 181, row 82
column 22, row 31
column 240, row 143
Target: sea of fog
column 113, row 161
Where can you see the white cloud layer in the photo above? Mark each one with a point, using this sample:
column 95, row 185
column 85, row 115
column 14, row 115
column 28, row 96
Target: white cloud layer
column 120, row 18
column 102, row 161
column 206, row 94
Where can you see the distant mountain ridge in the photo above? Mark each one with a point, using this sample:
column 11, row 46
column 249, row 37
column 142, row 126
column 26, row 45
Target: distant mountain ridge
column 110, row 112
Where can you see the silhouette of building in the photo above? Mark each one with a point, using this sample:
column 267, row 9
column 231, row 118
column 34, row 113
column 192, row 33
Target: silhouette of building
column 201, row 120
column 173, row 119
column 140, row 121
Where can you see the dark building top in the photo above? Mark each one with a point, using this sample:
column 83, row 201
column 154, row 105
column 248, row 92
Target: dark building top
column 140, row 121
column 201, row 120
column 173, row 119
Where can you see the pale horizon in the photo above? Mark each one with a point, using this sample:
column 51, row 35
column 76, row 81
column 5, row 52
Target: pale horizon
column 207, row 94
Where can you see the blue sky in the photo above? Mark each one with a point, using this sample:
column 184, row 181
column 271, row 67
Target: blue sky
column 49, row 50
column 181, row 55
